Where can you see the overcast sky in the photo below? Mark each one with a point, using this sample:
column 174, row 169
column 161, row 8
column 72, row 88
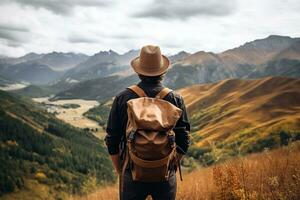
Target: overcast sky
column 89, row 26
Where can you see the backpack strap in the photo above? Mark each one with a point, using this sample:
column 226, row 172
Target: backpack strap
column 164, row 92
column 139, row 91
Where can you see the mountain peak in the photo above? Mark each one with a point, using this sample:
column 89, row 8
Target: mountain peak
column 201, row 53
column 183, row 53
column 278, row 37
column 179, row 56
column 106, row 53
column 198, row 58
column 112, row 52
column 31, row 54
column 271, row 43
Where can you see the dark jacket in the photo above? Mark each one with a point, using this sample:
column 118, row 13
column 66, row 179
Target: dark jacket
column 117, row 121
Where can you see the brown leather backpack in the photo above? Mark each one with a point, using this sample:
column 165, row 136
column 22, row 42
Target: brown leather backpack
column 151, row 148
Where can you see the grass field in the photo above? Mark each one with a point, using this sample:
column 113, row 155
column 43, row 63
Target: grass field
column 269, row 175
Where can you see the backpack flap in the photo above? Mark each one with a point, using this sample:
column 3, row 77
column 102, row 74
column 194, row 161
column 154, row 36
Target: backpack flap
column 153, row 114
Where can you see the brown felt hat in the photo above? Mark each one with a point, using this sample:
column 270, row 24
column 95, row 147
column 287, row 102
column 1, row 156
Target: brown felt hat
column 150, row 62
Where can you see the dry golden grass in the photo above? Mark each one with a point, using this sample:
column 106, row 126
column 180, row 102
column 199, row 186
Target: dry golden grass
column 221, row 111
column 269, row 175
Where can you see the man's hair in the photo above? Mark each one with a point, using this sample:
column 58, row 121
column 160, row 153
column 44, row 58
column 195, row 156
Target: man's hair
column 151, row 79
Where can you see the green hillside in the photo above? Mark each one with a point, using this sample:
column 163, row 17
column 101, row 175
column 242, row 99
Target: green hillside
column 43, row 157
column 35, row 91
column 100, row 89
column 236, row 117
column 100, row 113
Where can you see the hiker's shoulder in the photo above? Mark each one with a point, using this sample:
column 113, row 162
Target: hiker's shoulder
column 175, row 98
column 173, row 94
column 124, row 94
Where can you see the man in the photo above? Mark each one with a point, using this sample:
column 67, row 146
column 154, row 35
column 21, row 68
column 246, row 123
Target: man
column 151, row 67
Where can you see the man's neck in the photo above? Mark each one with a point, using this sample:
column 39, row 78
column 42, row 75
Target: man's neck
column 148, row 83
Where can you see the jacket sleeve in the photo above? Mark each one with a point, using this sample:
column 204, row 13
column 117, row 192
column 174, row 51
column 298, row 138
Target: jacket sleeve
column 113, row 132
column 182, row 129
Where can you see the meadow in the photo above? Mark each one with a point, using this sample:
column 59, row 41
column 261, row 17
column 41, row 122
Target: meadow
column 270, row 175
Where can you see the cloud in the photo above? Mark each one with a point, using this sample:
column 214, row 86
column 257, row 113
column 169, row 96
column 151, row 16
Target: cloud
column 123, row 36
column 81, row 39
column 178, row 9
column 13, row 35
column 98, row 37
column 9, row 36
column 61, row 7
column 89, row 26
column 13, row 28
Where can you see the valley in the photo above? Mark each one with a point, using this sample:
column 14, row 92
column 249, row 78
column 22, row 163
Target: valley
column 44, row 156
column 74, row 116
column 243, row 105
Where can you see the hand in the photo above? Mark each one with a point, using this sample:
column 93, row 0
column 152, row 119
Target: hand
column 117, row 171
column 116, row 163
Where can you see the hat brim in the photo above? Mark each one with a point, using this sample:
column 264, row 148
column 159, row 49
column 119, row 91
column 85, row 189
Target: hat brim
column 135, row 63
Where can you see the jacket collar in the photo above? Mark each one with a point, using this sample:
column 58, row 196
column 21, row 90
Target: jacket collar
column 150, row 84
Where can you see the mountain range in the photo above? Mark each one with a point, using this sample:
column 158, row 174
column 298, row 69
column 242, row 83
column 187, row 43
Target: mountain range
column 104, row 63
column 55, row 60
column 259, row 58
column 30, row 72
column 271, row 56
column 39, row 68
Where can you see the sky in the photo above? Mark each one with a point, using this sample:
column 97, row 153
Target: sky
column 90, row 26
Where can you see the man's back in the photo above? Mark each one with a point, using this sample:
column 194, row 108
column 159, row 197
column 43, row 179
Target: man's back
column 150, row 66
column 117, row 120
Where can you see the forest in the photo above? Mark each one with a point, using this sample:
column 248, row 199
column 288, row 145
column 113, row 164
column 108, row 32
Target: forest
column 37, row 146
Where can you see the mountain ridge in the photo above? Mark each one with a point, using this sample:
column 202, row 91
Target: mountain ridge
column 239, row 62
column 218, row 110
